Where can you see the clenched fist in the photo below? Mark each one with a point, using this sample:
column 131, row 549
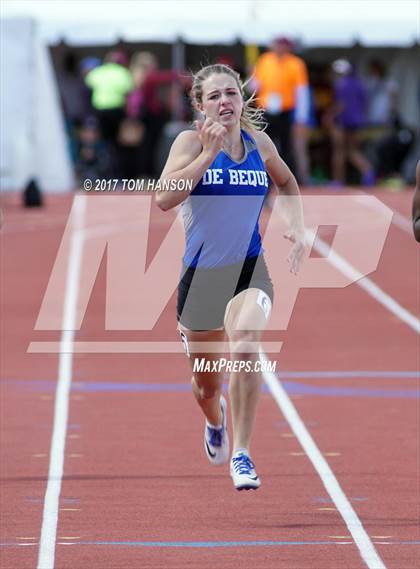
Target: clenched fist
column 211, row 135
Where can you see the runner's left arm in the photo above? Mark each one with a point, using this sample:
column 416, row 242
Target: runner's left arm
column 288, row 189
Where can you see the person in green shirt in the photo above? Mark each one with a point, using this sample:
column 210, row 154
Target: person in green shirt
column 110, row 84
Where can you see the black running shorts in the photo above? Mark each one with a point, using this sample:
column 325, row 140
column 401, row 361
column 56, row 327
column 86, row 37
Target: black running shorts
column 203, row 294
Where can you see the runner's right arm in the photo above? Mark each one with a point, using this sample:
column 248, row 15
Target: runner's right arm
column 190, row 156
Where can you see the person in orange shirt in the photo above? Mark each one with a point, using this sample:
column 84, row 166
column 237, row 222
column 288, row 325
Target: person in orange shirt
column 281, row 82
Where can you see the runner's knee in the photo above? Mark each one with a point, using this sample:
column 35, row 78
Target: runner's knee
column 204, row 390
column 244, row 343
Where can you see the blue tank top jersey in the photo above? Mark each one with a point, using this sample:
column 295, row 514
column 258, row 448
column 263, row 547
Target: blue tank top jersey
column 221, row 214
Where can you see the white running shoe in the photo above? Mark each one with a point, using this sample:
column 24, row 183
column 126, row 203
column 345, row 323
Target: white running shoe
column 216, row 441
column 242, row 471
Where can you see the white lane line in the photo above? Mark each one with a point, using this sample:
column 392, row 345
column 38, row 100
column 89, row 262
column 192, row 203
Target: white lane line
column 364, row 282
column 397, row 219
column 52, row 495
column 354, row 525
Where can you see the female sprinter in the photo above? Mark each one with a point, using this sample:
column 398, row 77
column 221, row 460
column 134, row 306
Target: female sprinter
column 225, row 289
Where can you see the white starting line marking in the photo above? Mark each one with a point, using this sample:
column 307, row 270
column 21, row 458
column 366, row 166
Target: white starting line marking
column 52, row 495
column 354, row 525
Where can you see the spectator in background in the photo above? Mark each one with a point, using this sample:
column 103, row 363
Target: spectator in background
column 281, row 82
column 302, row 126
column 382, row 96
column 146, row 104
column 390, row 151
column 345, row 119
column 75, row 98
column 141, row 64
column 393, row 145
column 86, row 65
column 110, row 83
column 323, row 98
column 227, row 59
column 92, row 158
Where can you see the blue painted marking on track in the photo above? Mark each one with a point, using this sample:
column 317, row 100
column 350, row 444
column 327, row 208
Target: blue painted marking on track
column 328, row 391
column 196, row 544
column 214, row 544
column 63, row 500
column 70, row 500
column 130, row 387
column 293, row 388
column 206, row 544
column 321, row 500
column 284, row 425
column 211, row 544
column 347, row 374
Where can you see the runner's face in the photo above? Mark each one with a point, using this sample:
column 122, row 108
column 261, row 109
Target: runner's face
column 222, row 99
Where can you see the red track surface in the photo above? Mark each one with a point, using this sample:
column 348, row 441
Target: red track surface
column 134, row 467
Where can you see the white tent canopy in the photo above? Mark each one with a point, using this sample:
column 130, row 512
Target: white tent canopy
column 33, row 142
column 322, row 22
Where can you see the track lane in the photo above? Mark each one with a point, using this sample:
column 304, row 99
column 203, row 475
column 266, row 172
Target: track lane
column 326, row 347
